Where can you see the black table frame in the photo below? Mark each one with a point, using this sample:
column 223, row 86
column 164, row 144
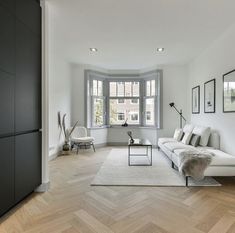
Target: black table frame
column 147, row 154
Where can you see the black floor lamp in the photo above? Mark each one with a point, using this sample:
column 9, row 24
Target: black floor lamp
column 180, row 113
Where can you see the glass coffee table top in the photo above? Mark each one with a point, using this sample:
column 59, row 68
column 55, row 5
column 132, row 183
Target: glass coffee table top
column 139, row 142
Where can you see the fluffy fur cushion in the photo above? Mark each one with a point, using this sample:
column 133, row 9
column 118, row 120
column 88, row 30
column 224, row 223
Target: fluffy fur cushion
column 194, row 163
column 204, row 133
column 187, row 137
column 178, row 134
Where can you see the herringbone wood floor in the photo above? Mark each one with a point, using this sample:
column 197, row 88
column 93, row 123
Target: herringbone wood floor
column 72, row 205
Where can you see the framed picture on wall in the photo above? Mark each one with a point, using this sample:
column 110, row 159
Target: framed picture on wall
column 196, row 100
column 209, row 96
column 229, row 92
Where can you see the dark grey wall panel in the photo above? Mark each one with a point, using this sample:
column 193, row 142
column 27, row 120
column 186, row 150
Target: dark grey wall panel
column 6, row 104
column 7, row 41
column 28, row 80
column 27, row 164
column 29, row 12
column 20, row 100
column 6, row 174
column 8, row 4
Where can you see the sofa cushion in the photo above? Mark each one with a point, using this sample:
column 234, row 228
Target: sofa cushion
column 172, row 146
column 195, row 140
column 178, row 134
column 165, row 140
column 178, row 151
column 204, row 132
column 187, row 137
column 188, row 128
column 221, row 158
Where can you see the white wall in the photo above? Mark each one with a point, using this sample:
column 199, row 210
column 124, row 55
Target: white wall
column 217, row 60
column 174, row 90
column 59, row 88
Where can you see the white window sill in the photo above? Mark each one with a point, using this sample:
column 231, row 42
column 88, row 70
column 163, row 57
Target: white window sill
column 132, row 127
column 122, row 127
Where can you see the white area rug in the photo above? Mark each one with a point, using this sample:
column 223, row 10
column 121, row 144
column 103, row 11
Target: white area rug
column 116, row 172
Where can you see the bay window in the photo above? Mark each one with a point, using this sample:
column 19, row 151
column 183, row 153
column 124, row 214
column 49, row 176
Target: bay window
column 113, row 100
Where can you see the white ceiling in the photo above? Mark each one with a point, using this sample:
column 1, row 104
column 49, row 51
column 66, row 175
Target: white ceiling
column 127, row 32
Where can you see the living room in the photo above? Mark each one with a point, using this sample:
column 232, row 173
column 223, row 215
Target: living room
column 159, row 73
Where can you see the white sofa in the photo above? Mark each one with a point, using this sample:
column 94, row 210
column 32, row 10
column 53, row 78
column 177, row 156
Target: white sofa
column 222, row 164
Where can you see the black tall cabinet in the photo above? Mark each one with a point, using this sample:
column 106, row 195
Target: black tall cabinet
column 20, row 100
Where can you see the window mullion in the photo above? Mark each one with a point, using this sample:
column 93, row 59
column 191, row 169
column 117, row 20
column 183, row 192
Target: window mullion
column 141, row 111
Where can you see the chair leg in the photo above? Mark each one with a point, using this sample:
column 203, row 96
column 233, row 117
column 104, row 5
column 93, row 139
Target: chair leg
column 93, row 146
column 186, row 181
column 77, row 148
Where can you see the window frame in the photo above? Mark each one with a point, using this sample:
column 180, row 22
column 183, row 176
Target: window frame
column 155, row 97
column 89, row 100
column 142, row 79
column 123, row 79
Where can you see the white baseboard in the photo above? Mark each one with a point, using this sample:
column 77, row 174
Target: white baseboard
column 117, row 144
column 54, row 156
column 101, row 145
column 44, row 187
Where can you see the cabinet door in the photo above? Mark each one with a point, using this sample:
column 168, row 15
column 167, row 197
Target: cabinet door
column 8, row 4
column 7, row 41
column 27, row 164
column 7, row 104
column 28, row 80
column 29, row 12
column 6, row 174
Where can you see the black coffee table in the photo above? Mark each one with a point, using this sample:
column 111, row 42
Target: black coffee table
column 140, row 143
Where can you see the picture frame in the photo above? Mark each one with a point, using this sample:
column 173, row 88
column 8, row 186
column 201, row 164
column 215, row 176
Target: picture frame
column 210, row 96
column 196, row 100
column 229, row 92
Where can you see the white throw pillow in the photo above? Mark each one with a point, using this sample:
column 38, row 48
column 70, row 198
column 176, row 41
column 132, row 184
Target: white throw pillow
column 188, row 128
column 178, row 134
column 187, row 137
column 204, row 132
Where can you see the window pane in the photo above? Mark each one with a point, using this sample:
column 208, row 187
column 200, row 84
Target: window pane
column 121, row 101
column 113, row 89
column 148, row 88
column 149, row 113
column 120, row 89
column 100, row 88
column 121, row 116
column 134, row 116
column 95, row 92
column 98, row 112
column 134, row 101
column 128, row 89
column 136, row 88
column 153, row 91
column 127, row 110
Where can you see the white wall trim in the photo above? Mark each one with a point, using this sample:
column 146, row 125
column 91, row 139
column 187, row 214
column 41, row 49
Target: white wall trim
column 54, row 155
column 42, row 188
column 45, row 98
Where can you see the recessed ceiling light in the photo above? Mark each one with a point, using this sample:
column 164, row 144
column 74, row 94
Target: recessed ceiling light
column 93, row 49
column 160, row 49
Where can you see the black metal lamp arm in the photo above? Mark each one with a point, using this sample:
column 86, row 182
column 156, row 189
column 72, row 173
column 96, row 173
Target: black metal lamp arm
column 179, row 112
